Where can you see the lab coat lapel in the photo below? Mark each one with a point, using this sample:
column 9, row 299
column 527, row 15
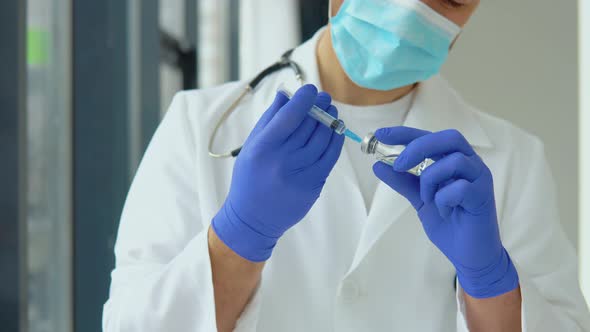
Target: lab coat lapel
column 387, row 207
column 436, row 107
column 343, row 171
column 305, row 56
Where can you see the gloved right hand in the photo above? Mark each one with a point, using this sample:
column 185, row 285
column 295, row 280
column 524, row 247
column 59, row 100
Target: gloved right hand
column 278, row 175
column 455, row 202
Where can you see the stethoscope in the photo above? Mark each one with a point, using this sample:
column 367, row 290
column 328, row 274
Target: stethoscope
column 284, row 62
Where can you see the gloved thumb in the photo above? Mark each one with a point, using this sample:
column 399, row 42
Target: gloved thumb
column 404, row 183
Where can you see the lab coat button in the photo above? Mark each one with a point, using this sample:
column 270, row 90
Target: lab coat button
column 349, row 290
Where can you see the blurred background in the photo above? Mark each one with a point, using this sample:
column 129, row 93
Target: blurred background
column 84, row 84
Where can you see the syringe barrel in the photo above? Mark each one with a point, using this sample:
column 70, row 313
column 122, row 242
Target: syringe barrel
column 320, row 115
column 325, row 118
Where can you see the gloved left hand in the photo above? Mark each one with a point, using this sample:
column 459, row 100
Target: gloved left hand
column 278, row 175
column 454, row 198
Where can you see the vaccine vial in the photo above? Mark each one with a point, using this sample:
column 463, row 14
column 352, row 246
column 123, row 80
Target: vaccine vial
column 389, row 153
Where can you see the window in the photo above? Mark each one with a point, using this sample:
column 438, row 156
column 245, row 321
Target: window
column 49, row 166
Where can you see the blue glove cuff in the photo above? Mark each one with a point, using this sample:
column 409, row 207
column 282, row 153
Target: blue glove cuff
column 495, row 280
column 241, row 238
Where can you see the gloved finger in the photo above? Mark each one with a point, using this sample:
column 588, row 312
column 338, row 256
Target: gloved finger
column 405, row 184
column 291, row 115
column 481, row 193
column 328, row 159
column 432, row 145
column 320, row 139
column 453, row 166
column 306, row 129
column 324, row 100
column 302, row 134
column 451, row 196
column 428, row 217
column 279, row 101
column 399, row 135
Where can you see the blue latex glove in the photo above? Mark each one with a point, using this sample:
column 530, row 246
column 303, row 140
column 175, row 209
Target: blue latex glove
column 278, row 174
column 454, row 198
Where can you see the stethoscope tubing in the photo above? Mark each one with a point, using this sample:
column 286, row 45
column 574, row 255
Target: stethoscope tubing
column 284, row 62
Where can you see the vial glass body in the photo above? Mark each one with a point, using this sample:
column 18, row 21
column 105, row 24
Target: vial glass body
column 389, row 153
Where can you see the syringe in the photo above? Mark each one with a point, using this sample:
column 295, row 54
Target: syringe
column 325, row 118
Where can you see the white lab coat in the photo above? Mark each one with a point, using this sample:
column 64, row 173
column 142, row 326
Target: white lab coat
column 341, row 268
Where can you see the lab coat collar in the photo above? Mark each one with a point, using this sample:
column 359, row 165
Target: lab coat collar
column 436, row 107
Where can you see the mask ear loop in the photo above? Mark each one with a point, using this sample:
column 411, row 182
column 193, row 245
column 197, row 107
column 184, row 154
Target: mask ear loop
column 455, row 40
column 330, row 14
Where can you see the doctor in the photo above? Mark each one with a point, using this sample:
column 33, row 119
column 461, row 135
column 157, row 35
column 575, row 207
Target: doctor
column 303, row 233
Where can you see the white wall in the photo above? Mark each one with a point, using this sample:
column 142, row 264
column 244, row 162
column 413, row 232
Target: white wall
column 584, row 238
column 260, row 43
column 518, row 60
column 214, row 43
column 172, row 20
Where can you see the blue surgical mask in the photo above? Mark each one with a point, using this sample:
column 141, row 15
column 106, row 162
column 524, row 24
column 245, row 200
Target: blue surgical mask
column 387, row 44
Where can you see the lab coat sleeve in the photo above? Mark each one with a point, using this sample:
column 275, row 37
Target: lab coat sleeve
column 162, row 279
column 545, row 260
